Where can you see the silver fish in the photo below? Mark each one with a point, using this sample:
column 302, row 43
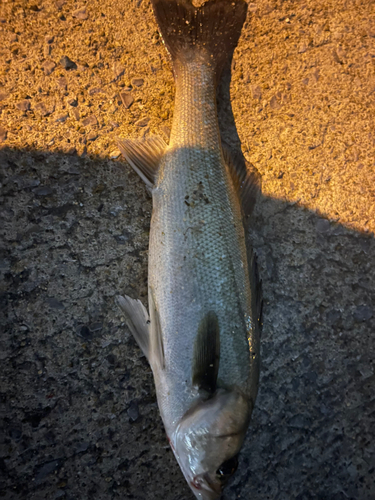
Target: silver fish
column 202, row 335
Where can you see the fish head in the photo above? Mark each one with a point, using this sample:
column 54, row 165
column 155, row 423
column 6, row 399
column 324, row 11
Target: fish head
column 208, row 439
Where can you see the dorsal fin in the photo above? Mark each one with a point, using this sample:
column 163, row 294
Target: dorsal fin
column 144, row 156
column 246, row 179
column 207, row 353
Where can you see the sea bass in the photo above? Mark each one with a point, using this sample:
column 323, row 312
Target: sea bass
column 201, row 337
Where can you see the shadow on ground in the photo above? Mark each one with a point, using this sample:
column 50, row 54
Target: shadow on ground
column 79, row 410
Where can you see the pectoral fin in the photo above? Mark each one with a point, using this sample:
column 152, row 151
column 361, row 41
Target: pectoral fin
column 157, row 334
column 207, row 353
column 138, row 322
column 143, row 156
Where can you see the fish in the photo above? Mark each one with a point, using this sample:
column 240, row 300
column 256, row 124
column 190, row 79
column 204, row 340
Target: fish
column 201, row 335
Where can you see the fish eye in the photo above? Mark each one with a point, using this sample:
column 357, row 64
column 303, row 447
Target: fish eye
column 227, row 468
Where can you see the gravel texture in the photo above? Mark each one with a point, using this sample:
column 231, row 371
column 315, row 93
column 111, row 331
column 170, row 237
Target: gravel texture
column 78, row 406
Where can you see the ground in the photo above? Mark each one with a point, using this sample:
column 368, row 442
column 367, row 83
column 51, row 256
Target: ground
column 78, row 407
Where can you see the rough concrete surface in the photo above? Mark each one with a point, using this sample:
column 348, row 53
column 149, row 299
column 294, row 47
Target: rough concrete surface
column 78, row 407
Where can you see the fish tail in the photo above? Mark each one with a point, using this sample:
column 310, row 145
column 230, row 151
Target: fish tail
column 209, row 33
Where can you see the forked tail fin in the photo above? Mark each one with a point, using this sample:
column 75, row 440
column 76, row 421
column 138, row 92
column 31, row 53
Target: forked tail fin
column 209, row 33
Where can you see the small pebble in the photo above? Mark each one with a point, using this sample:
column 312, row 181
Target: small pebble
column 62, row 118
column 137, row 82
column 96, row 91
column 127, row 99
column 252, row 7
column 43, row 191
column 341, row 53
column 67, row 63
column 118, row 70
column 51, row 301
column 111, row 358
column 3, row 134
column 322, row 225
column 142, row 122
column 273, row 103
column 362, row 313
column 45, row 470
column 42, row 109
column 82, row 447
column 80, row 14
column 85, row 333
column 60, row 3
column 333, row 317
column 82, row 67
column 115, row 154
column 75, row 113
column 133, row 411
column 62, row 82
column 336, row 56
column 49, row 38
column 316, row 75
column 92, row 136
column 89, row 120
column 72, row 102
column 96, row 327
column 69, row 168
column 256, row 92
column 48, row 67
column 23, row 105
column 3, row 96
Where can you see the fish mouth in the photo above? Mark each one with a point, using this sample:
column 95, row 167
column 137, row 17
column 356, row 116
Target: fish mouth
column 204, row 488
